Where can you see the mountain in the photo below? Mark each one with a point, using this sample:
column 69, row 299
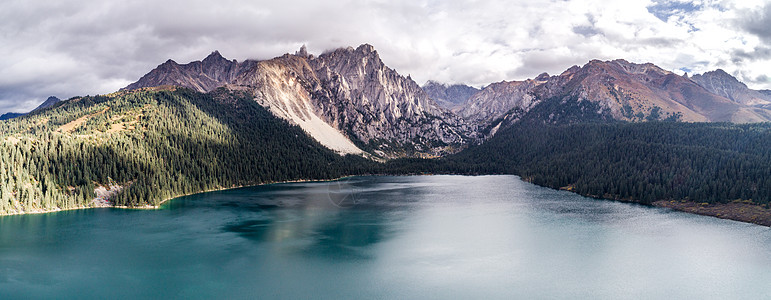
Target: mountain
column 140, row 147
column 615, row 89
column 217, row 124
column 203, row 76
column 347, row 99
column 721, row 83
column 451, row 97
column 388, row 112
column 351, row 102
column 497, row 99
column 51, row 101
column 48, row 103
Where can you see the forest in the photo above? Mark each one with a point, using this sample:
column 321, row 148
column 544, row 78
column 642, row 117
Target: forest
column 157, row 144
column 636, row 162
column 160, row 143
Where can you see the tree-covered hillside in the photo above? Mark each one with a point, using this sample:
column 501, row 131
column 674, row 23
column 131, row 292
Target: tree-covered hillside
column 156, row 144
column 639, row 162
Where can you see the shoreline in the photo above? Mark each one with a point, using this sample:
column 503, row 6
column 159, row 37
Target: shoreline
column 40, row 212
column 155, row 207
column 740, row 211
column 736, row 211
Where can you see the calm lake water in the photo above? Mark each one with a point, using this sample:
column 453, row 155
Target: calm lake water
column 423, row 237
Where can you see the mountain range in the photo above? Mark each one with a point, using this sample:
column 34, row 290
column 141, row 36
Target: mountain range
column 351, row 102
column 607, row 129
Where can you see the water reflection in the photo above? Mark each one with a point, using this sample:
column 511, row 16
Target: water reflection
column 384, row 237
column 341, row 219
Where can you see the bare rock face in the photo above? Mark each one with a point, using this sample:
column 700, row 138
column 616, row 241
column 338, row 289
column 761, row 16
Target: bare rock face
column 373, row 104
column 723, row 84
column 452, row 97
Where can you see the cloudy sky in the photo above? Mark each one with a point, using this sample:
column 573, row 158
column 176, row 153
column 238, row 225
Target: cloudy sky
column 84, row 47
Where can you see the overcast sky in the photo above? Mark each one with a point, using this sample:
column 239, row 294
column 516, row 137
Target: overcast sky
column 84, row 47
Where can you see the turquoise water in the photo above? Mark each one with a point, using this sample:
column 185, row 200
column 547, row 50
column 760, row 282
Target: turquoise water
column 435, row 237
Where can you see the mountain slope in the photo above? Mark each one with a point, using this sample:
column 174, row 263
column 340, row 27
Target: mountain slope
column 141, row 147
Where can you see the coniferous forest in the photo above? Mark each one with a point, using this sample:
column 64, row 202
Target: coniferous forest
column 638, row 162
column 165, row 142
column 157, row 144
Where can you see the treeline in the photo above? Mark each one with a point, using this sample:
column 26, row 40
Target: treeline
column 157, row 144
column 639, row 162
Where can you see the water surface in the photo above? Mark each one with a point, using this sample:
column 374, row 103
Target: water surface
column 436, row 237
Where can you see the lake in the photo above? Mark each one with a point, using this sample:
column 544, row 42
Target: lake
column 392, row 237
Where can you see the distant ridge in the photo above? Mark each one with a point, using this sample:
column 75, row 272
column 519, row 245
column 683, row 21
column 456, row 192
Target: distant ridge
column 615, row 89
column 51, row 101
column 721, row 83
column 452, row 97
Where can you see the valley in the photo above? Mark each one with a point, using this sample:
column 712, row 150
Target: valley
column 609, row 129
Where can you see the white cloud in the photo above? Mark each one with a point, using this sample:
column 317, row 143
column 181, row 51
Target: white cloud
column 77, row 47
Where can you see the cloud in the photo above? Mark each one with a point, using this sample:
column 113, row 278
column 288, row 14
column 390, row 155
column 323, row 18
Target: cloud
column 78, row 47
column 757, row 21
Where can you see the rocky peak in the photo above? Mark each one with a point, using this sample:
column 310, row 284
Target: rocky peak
column 51, row 101
column 722, row 73
column 366, row 48
column 215, row 59
column 214, row 55
column 572, row 70
column 303, row 52
column 721, row 83
column 168, row 65
column 542, row 77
